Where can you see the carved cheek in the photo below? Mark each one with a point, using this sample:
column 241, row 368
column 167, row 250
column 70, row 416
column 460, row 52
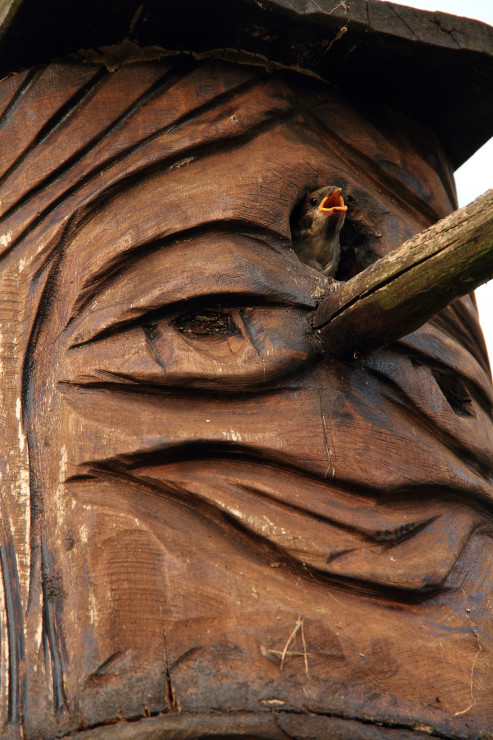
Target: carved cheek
column 167, row 383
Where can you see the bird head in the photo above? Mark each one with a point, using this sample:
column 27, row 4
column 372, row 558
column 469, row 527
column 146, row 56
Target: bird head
column 328, row 204
column 315, row 226
column 331, row 203
column 323, row 212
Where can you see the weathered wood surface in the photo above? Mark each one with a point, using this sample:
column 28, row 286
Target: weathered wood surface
column 403, row 290
column 209, row 525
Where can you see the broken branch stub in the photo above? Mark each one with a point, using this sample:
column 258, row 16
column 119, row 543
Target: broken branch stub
column 401, row 291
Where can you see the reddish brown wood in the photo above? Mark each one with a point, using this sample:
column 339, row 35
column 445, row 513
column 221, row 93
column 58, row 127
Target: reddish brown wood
column 209, row 526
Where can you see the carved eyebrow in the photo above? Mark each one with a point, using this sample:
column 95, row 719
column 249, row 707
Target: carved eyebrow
column 53, row 190
column 110, row 271
column 214, row 266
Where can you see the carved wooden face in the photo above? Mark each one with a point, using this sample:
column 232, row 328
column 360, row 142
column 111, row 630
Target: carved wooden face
column 222, row 515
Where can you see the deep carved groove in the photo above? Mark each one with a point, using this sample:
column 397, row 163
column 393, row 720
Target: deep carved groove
column 65, row 111
column 16, row 98
column 57, row 172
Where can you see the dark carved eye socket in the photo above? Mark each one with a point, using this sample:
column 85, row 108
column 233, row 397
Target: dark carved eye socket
column 455, row 392
column 206, row 322
column 313, row 201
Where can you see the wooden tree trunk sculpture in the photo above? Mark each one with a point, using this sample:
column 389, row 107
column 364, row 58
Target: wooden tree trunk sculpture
column 240, row 497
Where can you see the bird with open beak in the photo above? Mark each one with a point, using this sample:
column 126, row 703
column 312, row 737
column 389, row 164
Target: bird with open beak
column 315, row 228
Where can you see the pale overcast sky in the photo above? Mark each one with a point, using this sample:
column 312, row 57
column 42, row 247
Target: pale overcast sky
column 476, row 175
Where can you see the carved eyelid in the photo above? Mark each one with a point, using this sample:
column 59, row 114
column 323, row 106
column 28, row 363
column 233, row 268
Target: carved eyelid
column 152, row 314
column 267, row 343
column 430, row 348
column 158, row 283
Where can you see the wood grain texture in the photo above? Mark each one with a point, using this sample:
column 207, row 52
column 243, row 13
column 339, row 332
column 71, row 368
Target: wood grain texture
column 210, row 525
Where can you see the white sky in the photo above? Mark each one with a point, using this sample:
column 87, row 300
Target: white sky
column 476, row 175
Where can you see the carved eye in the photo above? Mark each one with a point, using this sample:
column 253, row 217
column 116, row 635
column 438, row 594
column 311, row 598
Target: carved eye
column 455, row 391
column 206, row 323
column 313, row 201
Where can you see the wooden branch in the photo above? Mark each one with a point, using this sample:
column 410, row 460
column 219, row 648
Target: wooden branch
column 401, row 291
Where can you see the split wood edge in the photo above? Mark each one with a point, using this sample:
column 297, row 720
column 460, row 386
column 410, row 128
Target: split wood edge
column 401, row 291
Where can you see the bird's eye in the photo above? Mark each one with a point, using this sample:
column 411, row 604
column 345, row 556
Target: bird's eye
column 313, row 201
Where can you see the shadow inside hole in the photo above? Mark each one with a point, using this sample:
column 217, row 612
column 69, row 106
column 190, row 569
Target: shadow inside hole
column 356, row 252
column 358, row 236
column 455, row 391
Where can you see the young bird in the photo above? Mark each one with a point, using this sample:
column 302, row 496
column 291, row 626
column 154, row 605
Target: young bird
column 315, row 228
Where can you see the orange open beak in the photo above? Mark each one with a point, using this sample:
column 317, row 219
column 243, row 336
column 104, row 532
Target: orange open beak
column 333, row 203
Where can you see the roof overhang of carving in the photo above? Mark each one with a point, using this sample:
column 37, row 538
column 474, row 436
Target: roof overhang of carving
column 434, row 67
